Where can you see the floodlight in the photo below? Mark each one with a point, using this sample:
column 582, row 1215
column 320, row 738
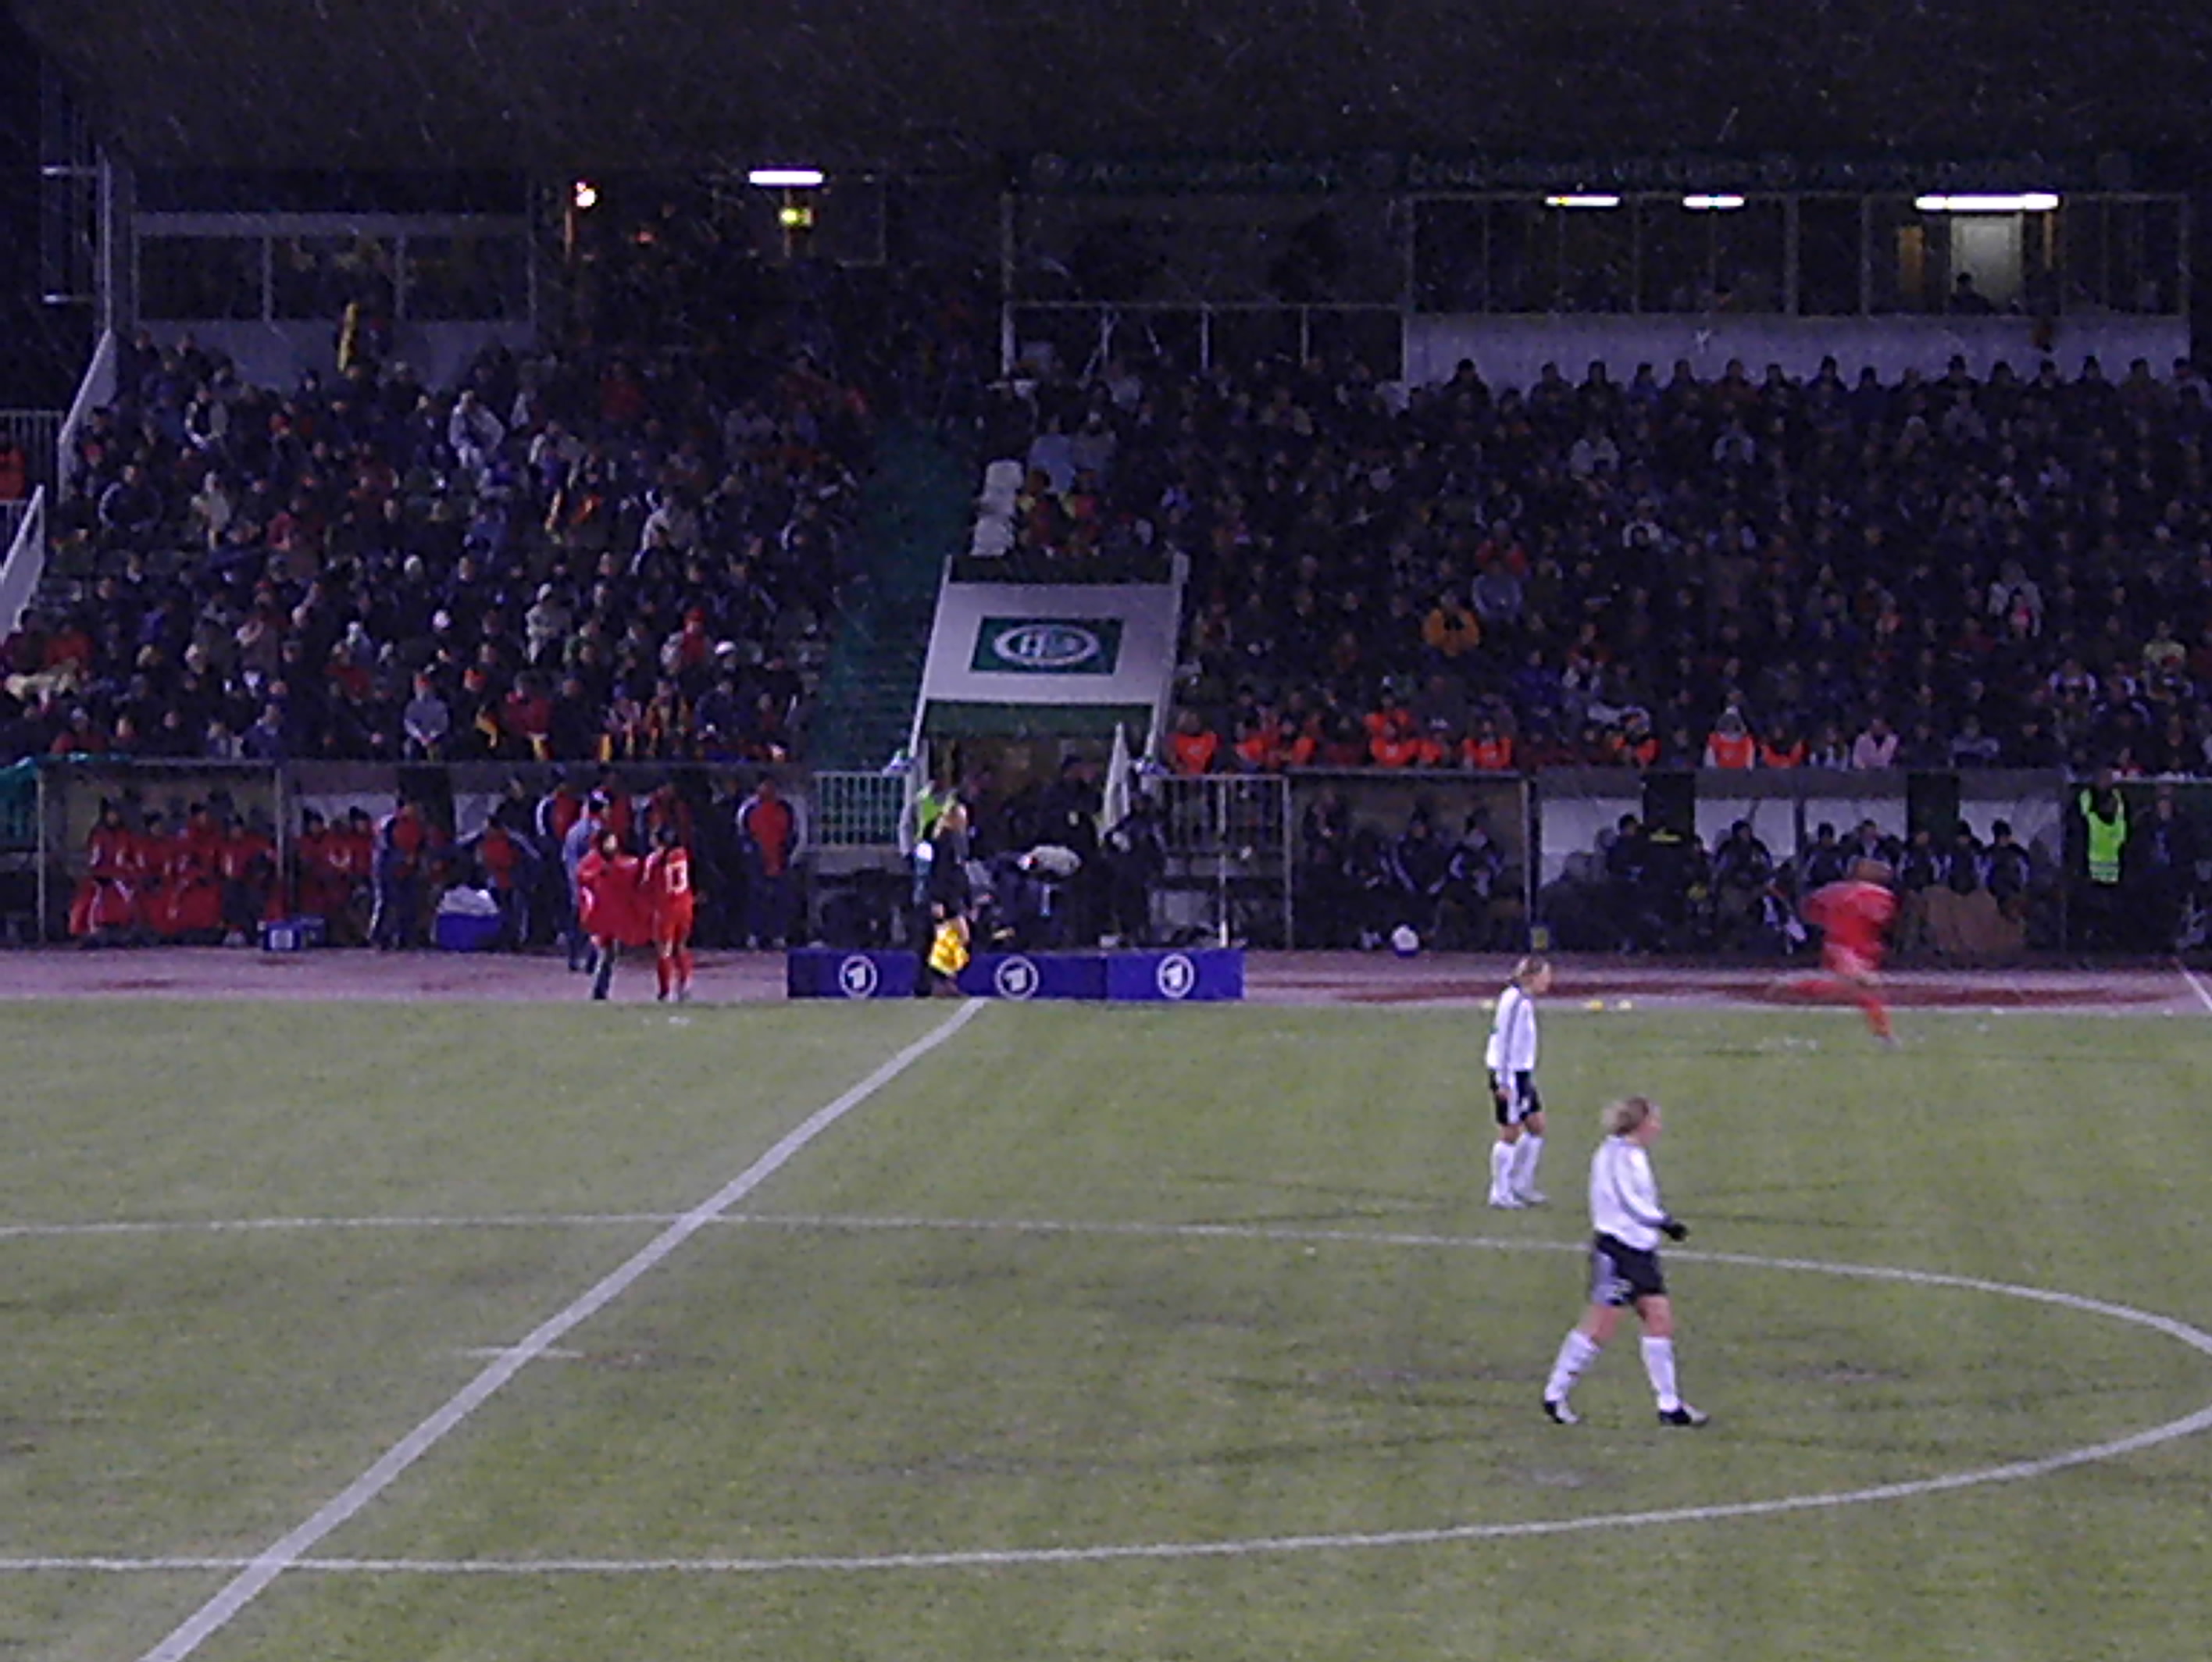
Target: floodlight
column 1582, row 202
column 2026, row 201
column 585, row 195
column 786, row 178
column 1712, row 204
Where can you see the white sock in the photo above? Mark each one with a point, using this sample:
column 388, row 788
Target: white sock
column 1659, row 1363
column 1501, row 1170
column 1577, row 1352
column 1531, row 1149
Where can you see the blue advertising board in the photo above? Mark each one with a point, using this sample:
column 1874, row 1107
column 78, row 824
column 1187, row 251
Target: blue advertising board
column 827, row 972
column 1203, row 975
column 1200, row 975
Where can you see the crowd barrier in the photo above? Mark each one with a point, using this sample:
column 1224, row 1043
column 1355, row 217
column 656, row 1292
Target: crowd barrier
column 1201, row 975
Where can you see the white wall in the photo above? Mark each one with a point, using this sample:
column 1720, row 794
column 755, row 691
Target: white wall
column 1511, row 351
column 276, row 354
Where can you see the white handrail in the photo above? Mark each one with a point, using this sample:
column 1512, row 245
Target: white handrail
column 25, row 565
column 95, row 391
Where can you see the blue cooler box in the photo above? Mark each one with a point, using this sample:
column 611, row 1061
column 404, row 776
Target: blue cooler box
column 464, row 931
column 292, row 934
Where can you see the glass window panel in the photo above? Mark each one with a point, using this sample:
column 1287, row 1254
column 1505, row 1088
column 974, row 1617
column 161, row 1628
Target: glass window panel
column 320, row 276
column 199, row 277
column 1448, row 273
column 1828, row 256
column 1908, row 258
column 1598, row 259
column 2144, row 255
column 2082, row 226
column 2042, row 270
column 467, row 278
column 1750, row 256
column 1523, row 257
column 1675, row 256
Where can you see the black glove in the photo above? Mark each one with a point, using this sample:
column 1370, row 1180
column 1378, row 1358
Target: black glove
column 1675, row 1229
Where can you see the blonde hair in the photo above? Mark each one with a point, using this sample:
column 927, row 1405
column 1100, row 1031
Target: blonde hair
column 1621, row 1118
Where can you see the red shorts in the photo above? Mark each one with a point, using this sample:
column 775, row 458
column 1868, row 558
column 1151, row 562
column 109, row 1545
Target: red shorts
column 671, row 926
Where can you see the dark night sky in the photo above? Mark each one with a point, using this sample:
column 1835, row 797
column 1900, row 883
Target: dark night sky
column 617, row 82
column 545, row 85
column 38, row 350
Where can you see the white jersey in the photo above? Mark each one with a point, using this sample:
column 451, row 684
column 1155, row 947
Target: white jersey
column 1624, row 1195
column 1512, row 1047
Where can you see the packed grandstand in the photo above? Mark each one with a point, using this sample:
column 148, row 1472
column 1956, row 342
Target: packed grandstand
column 606, row 560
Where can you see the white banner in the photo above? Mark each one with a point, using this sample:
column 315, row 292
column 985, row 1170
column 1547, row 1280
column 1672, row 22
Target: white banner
column 1053, row 644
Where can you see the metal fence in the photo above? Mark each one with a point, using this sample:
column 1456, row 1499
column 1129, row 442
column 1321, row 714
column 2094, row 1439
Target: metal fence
column 1312, row 860
column 854, row 810
column 37, row 432
column 1230, row 841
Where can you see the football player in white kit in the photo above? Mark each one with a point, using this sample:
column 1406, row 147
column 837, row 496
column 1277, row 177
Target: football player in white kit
column 1627, row 1221
column 1510, row 1057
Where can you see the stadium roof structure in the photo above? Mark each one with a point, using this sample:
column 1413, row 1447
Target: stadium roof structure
column 412, row 84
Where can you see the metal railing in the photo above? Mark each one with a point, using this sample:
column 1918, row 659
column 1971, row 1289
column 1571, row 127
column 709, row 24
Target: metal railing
column 24, row 525
column 38, row 434
column 1242, row 866
column 854, row 809
column 95, row 391
column 1229, row 867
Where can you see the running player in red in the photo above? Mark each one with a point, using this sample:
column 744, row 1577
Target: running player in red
column 610, row 905
column 1853, row 914
column 670, row 900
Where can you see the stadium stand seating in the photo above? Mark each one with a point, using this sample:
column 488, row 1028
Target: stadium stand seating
column 594, row 557
column 1654, row 569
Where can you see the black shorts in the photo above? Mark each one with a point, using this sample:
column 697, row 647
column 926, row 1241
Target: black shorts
column 1621, row 1274
column 1515, row 1097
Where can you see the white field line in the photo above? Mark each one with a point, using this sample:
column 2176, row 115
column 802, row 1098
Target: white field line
column 2196, row 984
column 272, row 1225
column 2012, row 1472
column 285, row 1554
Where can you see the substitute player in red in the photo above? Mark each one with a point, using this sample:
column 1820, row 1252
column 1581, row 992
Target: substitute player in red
column 1853, row 915
column 610, row 905
column 670, row 900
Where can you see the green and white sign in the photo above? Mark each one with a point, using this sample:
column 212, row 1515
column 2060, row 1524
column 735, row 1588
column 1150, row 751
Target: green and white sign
column 1042, row 658
column 1047, row 645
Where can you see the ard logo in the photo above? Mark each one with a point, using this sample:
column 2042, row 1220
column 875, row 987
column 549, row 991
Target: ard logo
column 856, row 977
column 1015, row 978
column 1176, row 977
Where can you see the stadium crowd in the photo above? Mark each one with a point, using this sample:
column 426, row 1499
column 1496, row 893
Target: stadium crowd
column 594, row 557
column 1666, row 571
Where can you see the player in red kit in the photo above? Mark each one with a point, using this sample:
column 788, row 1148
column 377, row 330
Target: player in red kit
column 1853, row 915
column 670, row 900
column 611, row 903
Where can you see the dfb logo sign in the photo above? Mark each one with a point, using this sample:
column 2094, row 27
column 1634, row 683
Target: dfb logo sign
column 1016, row 978
column 856, row 977
column 1176, row 976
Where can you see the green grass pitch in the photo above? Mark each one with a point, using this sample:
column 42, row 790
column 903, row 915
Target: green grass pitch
column 1092, row 1334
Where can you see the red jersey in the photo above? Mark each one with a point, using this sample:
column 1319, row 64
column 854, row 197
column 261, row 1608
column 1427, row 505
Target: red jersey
column 610, row 899
column 668, row 892
column 1853, row 914
column 503, row 859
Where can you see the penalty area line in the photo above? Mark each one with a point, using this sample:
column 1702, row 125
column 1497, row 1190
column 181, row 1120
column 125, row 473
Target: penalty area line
column 287, row 1552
